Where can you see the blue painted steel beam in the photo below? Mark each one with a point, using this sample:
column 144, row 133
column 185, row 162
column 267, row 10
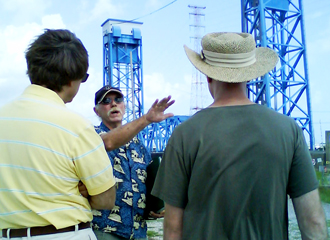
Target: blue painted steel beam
column 118, row 49
column 279, row 24
column 156, row 135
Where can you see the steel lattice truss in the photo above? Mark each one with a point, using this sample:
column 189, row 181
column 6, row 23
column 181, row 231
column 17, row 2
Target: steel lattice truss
column 122, row 64
column 279, row 25
column 156, row 135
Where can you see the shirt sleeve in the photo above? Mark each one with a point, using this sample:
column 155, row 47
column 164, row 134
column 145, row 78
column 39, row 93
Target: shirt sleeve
column 302, row 177
column 172, row 180
column 92, row 163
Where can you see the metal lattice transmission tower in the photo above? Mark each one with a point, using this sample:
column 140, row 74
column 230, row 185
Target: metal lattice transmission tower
column 198, row 81
column 279, row 24
column 122, row 63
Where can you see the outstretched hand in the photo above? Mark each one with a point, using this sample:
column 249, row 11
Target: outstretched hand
column 156, row 112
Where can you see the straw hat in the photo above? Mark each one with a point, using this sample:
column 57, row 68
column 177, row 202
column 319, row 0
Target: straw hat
column 232, row 57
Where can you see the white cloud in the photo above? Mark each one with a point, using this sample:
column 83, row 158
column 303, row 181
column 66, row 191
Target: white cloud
column 83, row 103
column 156, row 87
column 14, row 41
column 53, row 21
column 102, row 10
column 21, row 5
column 21, row 9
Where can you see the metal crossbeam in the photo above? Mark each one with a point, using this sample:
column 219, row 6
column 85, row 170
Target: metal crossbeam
column 279, row 25
column 122, row 63
column 156, row 135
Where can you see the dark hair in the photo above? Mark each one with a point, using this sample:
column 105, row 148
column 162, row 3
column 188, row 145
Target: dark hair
column 56, row 58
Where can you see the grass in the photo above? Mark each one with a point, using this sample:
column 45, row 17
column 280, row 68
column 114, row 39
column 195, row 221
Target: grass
column 323, row 178
column 151, row 233
column 155, row 229
column 324, row 184
column 324, row 194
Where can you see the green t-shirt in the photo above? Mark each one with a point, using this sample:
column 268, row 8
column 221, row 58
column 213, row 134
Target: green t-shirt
column 231, row 168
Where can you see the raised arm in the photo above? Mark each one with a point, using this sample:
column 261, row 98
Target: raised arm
column 173, row 222
column 121, row 135
column 310, row 216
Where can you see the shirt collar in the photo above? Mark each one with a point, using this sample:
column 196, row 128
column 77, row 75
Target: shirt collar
column 104, row 127
column 41, row 93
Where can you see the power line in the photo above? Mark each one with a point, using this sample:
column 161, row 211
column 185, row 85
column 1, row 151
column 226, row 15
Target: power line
column 148, row 13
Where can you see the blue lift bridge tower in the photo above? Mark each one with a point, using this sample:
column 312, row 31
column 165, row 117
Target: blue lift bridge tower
column 279, row 24
column 123, row 68
column 122, row 63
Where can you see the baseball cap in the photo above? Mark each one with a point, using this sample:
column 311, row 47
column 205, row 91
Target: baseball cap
column 100, row 94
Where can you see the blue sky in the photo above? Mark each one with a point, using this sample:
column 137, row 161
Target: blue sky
column 166, row 68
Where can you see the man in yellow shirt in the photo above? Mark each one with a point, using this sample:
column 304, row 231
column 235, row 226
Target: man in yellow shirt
column 48, row 150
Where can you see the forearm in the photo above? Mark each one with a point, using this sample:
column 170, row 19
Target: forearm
column 314, row 228
column 172, row 233
column 123, row 134
column 105, row 200
column 173, row 222
column 310, row 216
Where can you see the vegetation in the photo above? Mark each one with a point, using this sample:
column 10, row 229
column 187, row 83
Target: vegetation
column 323, row 178
column 151, row 233
column 324, row 189
column 324, row 194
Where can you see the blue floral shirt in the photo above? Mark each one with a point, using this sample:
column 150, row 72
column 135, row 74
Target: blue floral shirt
column 129, row 164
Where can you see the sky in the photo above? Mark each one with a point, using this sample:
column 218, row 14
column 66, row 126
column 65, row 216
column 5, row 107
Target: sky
column 166, row 69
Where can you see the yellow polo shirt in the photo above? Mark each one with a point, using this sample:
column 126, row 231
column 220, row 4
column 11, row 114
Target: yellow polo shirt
column 45, row 149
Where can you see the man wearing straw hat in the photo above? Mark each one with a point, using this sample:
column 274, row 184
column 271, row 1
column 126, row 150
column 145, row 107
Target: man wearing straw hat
column 227, row 171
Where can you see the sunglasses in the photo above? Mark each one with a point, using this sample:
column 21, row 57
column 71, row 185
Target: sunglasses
column 109, row 100
column 85, row 78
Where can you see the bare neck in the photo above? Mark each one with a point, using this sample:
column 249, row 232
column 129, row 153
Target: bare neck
column 229, row 94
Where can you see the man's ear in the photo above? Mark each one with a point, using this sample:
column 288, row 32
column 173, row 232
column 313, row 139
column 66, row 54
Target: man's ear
column 96, row 111
column 69, row 84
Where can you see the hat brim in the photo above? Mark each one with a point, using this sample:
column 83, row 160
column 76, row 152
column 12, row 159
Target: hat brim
column 109, row 91
column 266, row 60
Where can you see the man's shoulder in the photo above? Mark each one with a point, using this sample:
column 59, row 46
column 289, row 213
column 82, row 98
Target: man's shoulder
column 54, row 114
column 74, row 118
column 100, row 129
column 255, row 111
column 271, row 113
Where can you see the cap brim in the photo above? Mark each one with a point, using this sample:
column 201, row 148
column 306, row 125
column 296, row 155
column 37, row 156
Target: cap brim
column 110, row 90
column 266, row 60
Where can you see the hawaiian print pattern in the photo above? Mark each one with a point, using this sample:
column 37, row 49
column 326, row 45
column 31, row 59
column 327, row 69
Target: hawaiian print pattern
column 130, row 170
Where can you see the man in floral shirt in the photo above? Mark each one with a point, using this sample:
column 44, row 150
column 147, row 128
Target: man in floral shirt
column 130, row 161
